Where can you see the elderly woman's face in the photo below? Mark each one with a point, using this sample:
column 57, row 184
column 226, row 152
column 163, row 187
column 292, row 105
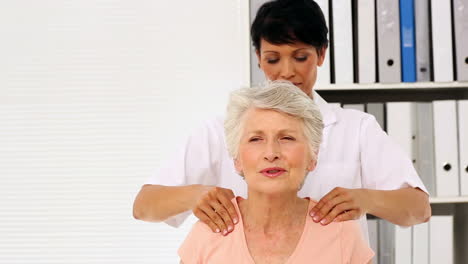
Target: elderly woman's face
column 296, row 63
column 273, row 154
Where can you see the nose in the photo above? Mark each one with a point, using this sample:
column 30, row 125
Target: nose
column 287, row 71
column 272, row 152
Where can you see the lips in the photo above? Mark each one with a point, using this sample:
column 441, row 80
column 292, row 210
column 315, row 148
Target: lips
column 273, row 172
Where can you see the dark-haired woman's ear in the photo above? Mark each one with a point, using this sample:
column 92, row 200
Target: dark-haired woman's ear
column 258, row 57
column 321, row 55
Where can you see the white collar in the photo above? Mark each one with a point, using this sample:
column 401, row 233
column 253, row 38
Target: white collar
column 328, row 115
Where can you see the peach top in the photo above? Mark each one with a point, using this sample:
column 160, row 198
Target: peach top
column 337, row 242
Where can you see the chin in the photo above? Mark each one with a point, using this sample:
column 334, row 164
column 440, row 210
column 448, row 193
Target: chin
column 273, row 188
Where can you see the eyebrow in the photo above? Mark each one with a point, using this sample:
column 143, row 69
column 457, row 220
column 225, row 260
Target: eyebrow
column 265, row 51
column 281, row 131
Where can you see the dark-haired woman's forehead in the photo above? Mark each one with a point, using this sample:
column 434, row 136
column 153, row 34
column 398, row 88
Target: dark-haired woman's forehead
column 291, row 48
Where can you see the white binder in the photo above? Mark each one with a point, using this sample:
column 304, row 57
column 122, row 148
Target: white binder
column 366, row 41
column 460, row 19
column 446, row 148
column 421, row 243
column 388, row 41
column 463, row 145
column 403, row 245
column 401, row 126
column 442, row 40
column 256, row 74
column 441, row 245
column 423, row 55
column 343, row 41
column 324, row 71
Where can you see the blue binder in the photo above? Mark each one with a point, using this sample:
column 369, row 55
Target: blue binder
column 407, row 38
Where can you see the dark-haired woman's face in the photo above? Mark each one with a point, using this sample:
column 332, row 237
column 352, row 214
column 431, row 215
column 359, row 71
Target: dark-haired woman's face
column 296, row 63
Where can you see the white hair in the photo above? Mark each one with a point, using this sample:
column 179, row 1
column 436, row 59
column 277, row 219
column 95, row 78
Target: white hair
column 281, row 96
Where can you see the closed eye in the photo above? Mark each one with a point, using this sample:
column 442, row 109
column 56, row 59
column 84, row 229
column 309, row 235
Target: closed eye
column 272, row 61
column 288, row 138
column 255, row 139
column 301, row 59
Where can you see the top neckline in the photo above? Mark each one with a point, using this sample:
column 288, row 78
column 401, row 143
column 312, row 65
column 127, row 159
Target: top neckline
column 241, row 232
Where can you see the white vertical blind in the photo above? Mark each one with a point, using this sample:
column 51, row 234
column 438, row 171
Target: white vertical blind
column 94, row 95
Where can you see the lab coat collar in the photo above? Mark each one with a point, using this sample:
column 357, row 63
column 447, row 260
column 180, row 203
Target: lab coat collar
column 328, row 115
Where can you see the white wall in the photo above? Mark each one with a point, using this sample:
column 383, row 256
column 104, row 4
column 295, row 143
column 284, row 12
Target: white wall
column 94, row 95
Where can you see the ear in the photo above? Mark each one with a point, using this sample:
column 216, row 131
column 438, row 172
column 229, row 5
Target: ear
column 238, row 165
column 312, row 164
column 257, row 52
column 321, row 56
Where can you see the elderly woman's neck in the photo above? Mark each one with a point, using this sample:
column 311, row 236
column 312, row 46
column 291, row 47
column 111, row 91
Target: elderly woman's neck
column 273, row 212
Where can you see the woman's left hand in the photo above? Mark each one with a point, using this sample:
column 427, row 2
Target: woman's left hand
column 341, row 204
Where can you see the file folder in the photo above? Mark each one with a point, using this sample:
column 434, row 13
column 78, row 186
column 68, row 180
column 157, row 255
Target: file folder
column 423, row 55
column 442, row 40
column 395, row 243
column 425, row 145
column 460, row 18
column 324, row 71
column 407, row 37
column 366, row 41
column 373, row 227
column 343, row 41
column 386, row 242
column 378, row 111
column 446, row 148
column 463, row 145
column 441, row 246
column 421, row 243
column 388, row 41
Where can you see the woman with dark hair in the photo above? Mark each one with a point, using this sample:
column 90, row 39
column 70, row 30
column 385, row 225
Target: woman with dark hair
column 359, row 171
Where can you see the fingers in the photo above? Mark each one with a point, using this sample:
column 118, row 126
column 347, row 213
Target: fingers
column 337, row 210
column 223, row 215
column 348, row 215
column 216, row 210
column 326, row 204
column 225, row 200
column 333, row 204
column 206, row 219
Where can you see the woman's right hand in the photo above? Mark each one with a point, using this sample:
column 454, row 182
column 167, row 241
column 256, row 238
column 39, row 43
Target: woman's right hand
column 214, row 208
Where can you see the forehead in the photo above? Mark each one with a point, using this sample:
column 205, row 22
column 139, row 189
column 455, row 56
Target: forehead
column 256, row 119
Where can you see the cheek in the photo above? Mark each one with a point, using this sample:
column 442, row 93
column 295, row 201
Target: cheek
column 248, row 158
column 270, row 71
column 308, row 71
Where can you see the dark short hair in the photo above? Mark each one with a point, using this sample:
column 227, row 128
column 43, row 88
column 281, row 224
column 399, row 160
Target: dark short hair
column 290, row 21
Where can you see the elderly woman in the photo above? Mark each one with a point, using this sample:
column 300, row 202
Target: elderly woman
column 273, row 134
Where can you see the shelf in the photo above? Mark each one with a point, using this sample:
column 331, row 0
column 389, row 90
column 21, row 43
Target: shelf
column 397, row 92
column 441, row 200
column 392, row 86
